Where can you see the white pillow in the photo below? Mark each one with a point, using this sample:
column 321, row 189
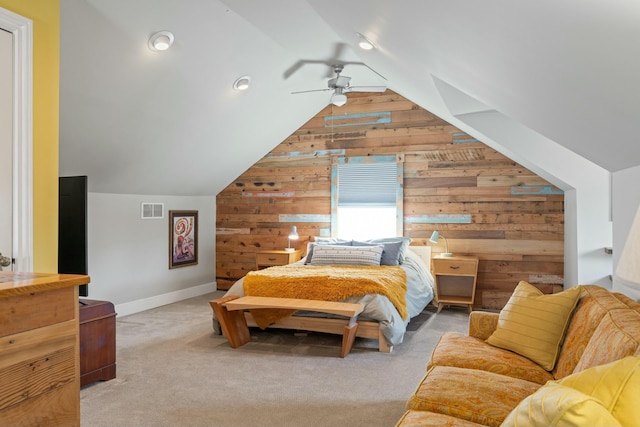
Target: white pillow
column 323, row 241
column 347, row 255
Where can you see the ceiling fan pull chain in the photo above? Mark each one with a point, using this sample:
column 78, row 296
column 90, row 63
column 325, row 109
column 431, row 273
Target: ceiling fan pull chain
column 332, row 120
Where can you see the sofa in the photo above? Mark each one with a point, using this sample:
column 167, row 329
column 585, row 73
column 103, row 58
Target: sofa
column 570, row 358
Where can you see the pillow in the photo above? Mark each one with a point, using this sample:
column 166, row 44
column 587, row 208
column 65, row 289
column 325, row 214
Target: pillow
column 323, row 241
column 347, row 255
column 533, row 324
column 579, row 399
column 329, row 240
column 390, row 254
column 616, row 385
column 558, row 405
column 403, row 248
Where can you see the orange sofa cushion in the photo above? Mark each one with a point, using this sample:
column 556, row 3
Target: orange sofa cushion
column 617, row 336
column 456, row 349
column 432, row 419
column 470, row 394
column 594, row 304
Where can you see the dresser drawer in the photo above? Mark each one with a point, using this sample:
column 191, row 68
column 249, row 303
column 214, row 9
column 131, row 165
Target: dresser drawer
column 36, row 362
column 455, row 267
column 30, row 311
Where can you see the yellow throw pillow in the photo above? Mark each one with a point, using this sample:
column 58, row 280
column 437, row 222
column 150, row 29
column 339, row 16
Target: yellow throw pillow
column 533, row 324
column 616, row 385
column 558, row 405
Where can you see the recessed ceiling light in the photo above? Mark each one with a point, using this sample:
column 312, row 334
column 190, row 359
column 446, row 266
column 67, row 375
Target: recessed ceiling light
column 242, row 83
column 364, row 42
column 162, row 40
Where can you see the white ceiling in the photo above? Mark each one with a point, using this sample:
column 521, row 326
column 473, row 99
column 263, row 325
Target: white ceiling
column 169, row 123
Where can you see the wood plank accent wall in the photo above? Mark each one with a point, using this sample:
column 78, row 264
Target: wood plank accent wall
column 484, row 203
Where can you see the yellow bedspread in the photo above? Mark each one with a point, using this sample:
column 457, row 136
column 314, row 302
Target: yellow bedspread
column 327, row 283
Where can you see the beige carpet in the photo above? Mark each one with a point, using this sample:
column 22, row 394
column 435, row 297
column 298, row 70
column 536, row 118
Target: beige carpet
column 173, row 371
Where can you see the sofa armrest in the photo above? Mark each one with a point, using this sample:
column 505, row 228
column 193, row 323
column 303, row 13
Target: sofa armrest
column 482, row 324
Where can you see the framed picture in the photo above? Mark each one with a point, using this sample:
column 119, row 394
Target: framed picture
column 183, row 238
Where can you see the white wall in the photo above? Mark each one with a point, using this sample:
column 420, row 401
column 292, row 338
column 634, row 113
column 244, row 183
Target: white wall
column 129, row 256
column 626, row 201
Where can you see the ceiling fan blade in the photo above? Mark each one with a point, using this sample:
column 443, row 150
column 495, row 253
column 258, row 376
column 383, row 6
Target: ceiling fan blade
column 365, row 89
column 295, row 67
column 312, row 90
column 365, row 65
column 300, row 63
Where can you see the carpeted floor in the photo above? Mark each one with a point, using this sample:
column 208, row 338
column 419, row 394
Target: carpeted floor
column 173, row 371
column 421, row 319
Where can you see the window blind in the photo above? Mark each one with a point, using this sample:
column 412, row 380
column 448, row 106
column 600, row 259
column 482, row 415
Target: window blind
column 365, row 184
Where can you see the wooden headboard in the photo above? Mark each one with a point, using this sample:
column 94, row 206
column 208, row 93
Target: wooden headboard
column 424, row 252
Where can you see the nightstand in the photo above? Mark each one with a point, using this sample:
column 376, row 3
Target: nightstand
column 455, row 280
column 266, row 259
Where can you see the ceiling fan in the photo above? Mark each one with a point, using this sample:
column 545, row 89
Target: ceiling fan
column 340, row 86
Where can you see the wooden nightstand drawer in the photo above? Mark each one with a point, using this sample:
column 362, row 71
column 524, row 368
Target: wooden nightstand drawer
column 456, row 267
column 270, row 258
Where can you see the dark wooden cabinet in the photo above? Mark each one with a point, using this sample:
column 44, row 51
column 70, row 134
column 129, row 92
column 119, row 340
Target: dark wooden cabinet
column 97, row 341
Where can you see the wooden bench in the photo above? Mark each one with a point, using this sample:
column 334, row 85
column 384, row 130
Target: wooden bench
column 229, row 311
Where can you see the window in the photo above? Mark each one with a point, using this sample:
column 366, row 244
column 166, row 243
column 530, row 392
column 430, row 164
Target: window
column 366, row 197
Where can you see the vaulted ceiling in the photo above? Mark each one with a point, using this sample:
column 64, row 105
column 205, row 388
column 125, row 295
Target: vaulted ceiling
column 169, row 123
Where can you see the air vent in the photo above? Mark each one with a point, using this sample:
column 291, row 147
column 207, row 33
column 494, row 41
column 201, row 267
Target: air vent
column 152, row 211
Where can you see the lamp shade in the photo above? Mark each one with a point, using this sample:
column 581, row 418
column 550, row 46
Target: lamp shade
column 435, row 236
column 294, row 233
column 628, row 270
column 338, row 99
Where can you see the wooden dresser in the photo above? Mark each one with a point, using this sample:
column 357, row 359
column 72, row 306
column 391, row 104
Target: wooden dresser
column 39, row 349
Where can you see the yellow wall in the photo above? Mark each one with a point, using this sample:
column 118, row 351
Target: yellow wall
column 45, row 15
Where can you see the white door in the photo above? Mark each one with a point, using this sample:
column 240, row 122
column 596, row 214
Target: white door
column 6, row 145
column 16, row 136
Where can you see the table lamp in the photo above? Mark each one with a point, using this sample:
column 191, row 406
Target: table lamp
column 293, row 235
column 434, row 239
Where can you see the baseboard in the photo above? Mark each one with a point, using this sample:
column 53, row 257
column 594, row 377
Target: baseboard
column 137, row 306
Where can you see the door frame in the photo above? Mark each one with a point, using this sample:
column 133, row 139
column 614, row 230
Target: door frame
column 22, row 30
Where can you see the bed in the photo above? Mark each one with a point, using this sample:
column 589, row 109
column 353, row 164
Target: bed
column 381, row 318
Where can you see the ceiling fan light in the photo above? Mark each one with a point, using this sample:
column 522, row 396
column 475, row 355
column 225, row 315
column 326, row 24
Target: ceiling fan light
column 162, row 40
column 364, row 42
column 242, row 83
column 338, row 99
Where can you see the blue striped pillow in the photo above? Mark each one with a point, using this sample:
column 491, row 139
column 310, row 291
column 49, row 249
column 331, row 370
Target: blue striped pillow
column 347, row 255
